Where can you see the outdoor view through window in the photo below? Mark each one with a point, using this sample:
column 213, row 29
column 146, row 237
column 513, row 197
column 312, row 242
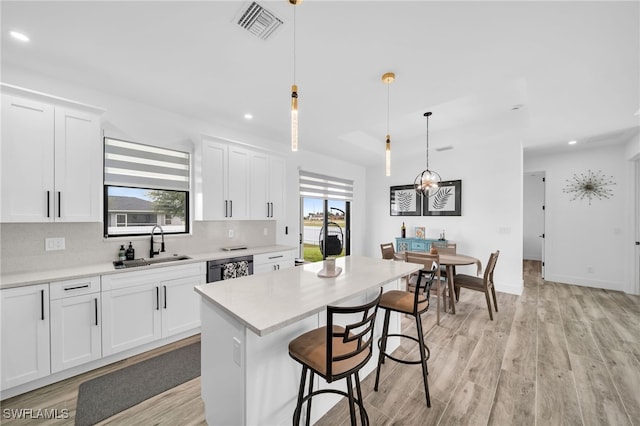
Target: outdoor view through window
column 134, row 211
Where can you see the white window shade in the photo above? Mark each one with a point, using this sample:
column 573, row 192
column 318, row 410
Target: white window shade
column 314, row 185
column 144, row 166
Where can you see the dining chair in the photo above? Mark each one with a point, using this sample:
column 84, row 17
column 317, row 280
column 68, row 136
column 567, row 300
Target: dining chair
column 389, row 252
column 428, row 260
column 412, row 303
column 484, row 284
column 445, row 247
column 336, row 352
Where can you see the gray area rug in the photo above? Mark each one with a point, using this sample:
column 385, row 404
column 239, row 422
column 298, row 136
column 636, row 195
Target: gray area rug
column 107, row 395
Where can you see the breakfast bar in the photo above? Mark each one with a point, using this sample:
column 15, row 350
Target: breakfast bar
column 247, row 323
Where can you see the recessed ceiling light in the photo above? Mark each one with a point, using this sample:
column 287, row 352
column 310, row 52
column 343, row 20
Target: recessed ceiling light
column 19, row 36
column 248, row 116
column 573, row 142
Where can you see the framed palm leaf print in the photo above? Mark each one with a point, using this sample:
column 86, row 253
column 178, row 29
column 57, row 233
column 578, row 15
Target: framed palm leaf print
column 446, row 200
column 404, row 201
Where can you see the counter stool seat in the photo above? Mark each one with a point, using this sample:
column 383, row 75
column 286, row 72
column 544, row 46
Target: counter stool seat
column 336, row 352
column 413, row 303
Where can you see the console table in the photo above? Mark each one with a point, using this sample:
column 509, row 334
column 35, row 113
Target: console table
column 415, row 244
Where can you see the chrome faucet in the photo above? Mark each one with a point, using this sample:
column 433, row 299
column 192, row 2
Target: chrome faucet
column 151, row 252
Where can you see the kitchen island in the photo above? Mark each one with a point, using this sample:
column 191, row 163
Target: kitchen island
column 248, row 377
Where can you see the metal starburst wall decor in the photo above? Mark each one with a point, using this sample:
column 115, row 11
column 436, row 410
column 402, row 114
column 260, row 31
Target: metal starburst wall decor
column 592, row 185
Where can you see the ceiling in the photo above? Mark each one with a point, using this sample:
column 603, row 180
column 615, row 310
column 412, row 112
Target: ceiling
column 548, row 72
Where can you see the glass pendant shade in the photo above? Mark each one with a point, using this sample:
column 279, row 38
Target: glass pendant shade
column 294, row 118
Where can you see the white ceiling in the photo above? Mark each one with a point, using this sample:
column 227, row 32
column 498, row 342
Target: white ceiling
column 572, row 67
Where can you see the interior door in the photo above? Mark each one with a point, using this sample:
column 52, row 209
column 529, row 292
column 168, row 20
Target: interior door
column 533, row 241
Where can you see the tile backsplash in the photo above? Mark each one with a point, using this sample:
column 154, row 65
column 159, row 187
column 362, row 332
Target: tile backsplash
column 22, row 245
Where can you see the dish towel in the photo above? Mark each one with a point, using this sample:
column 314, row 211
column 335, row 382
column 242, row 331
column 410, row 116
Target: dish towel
column 229, row 270
column 242, row 268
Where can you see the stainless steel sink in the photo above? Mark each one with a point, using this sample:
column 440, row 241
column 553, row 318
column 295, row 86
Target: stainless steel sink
column 124, row 264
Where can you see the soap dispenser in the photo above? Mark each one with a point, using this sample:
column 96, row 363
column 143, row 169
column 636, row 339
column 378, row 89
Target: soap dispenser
column 121, row 253
column 130, row 253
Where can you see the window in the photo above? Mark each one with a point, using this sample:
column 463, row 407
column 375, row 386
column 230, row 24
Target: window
column 144, row 186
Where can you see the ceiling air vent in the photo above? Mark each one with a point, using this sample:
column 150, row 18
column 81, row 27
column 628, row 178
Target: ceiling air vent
column 259, row 21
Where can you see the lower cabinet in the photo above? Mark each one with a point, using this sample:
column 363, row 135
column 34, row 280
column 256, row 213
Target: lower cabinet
column 142, row 306
column 24, row 312
column 76, row 324
column 268, row 262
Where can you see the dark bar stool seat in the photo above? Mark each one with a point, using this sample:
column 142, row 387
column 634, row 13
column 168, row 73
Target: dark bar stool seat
column 412, row 303
column 336, row 352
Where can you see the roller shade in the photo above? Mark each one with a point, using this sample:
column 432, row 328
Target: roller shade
column 145, row 166
column 314, row 185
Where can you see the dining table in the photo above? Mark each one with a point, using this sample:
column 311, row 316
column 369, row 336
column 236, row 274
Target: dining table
column 450, row 261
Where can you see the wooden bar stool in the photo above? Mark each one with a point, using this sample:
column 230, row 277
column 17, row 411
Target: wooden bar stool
column 413, row 303
column 336, row 352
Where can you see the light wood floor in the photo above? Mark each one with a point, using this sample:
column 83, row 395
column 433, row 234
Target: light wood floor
column 558, row 354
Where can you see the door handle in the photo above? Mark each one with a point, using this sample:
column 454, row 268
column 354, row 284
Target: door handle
column 96, row 309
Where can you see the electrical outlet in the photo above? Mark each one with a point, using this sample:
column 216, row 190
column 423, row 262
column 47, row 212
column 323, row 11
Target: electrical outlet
column 236, row 351
column 230, row 233
column 51, row 244
column 590, row 269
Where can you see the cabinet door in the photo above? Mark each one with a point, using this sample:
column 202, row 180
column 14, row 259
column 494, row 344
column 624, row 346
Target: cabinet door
column 78, row 166
column 260, row 207
column 238, row 184
column 277, row 190
column 214, row 180
column 75, row 331
column 180, row 305
column 27, row 160
column 130, row 317
column 25, row 319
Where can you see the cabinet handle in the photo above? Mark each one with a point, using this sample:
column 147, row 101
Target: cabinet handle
column 278, row 265
column 226, row 208
column 230, row 208
column 165, row 296
column 76, row 287
column 59, row 208
column 96, row 309
column 274, row 267
column 48, row 203
column 276, row 257
column 157, row 298
column 268, row 210
column 42, row 305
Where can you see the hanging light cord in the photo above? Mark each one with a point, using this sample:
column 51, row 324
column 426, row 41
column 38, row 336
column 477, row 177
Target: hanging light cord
column 294, row 44
column 388, row 108
column 427, row 114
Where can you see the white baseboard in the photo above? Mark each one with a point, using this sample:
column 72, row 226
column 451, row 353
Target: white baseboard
column 510, row 288
column 568, row 279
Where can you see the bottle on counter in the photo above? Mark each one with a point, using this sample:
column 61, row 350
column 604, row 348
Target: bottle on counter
column 403, row 231
column 122, row 253
column 130, row 254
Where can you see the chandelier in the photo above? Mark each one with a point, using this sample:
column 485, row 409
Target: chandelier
column 427, row 182
column 388, row 78
column 294, row 87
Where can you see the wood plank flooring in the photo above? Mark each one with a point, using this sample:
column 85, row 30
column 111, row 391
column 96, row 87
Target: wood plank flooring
column 558, row 354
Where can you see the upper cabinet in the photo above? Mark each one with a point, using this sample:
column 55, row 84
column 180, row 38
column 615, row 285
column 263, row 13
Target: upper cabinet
column 51, row 159
column 237, row 183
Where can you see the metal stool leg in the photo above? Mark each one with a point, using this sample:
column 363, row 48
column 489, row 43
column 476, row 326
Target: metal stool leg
column 303, row 378
column 363, row 417
column 309, row 401
column 352, row 408
column 423, row 358
column 383, row 346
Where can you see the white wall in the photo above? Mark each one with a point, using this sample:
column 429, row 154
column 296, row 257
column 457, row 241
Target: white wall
column 585, row 244
column 134, row 121
column 491, row 172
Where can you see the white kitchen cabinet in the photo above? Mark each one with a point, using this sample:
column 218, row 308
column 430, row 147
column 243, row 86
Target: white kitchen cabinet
column 51, row 159
column 76, row 324
column 268, row 262
column 223, row 192
column 24, row 312
column 267, row 186
column 140, row 307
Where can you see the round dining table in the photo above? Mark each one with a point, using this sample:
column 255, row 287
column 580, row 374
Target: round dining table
column 450, row 261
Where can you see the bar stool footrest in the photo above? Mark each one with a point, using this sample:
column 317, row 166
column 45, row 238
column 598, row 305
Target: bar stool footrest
column 339, row 392
column 403, row 361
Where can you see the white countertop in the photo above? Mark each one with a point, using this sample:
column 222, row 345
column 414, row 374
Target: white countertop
column 266, row 302
column 80, row 271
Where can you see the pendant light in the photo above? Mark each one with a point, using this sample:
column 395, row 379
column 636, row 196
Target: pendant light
column 294, row 87
column 388, row 78
column 428, row 180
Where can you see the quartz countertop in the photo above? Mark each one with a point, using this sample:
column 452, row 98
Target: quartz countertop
column 80, row 271
column 267, row 302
